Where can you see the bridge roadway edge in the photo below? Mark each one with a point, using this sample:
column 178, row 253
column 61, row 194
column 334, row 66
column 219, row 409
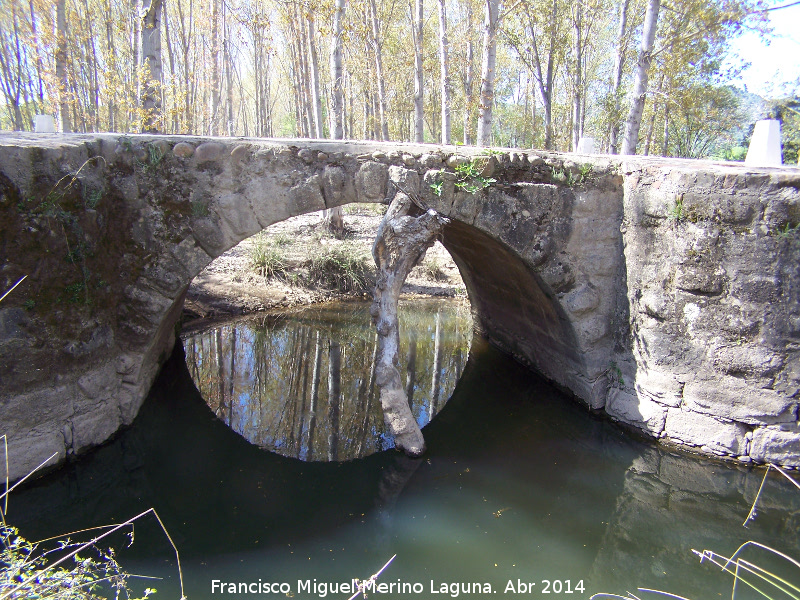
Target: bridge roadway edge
column 664, row 292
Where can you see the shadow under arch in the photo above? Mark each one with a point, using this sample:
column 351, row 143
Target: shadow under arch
column 512, row 307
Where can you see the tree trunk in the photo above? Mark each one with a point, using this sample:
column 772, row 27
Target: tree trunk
column 400, row 244
column 136, row 49
column 333, row 216
column 312, row 409
column 468, row 81
column 334, row 398
column 151, row 53
column 411, row 368
column 61, row 65
column 634, row 120
column 577, row 103
column 316, row 91
column 437, row 367
column 112, row 101
column 619, row 64
column 171, row 55
column 445, row 76
column 39, row 63
column 419, row 76
column 337, row 112
column 215, row 91
column 488, row 73
column 376, row 46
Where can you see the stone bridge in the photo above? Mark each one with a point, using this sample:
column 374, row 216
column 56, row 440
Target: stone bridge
column 665, row 293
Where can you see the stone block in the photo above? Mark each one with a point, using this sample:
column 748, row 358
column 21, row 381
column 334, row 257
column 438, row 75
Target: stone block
column 591, row 328
column 750, row 360
column 702, row 430
column 337, row 187
column 733, row 399
column 659, row 386
column 431, row 161
column 699, row 278
column 183, row 150
column 405, row 180
column 371, row 181
column 465, row 206
column 191, row 255
column 752, row 287
column 637, row 411
column 238, row 215
column 166, row 275
column 270, row 199
column 147, row 303
column 306, row 196
column 99, row 382
column 581, row 300
column 26, row 452
column 26, row 412
column 209, row 236
column 656, row 303
column 598, row 204
column 95, row 425
column 779, row 444
column 782, row 209
column 208, row 151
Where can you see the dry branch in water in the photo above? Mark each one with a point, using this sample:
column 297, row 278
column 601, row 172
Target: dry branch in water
column 406, row 232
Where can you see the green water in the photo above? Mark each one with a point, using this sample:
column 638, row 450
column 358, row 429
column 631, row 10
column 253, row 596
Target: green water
column 520, row 485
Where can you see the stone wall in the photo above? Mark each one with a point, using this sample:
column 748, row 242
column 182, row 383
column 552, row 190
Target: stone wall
column 713, row 263
column 664, row 292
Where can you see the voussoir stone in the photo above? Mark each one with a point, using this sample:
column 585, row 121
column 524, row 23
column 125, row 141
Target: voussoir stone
column 183, row 150
column 430, row 161
column 456, row 160
column 209, row 151
column 371, row 181
column 240, row 152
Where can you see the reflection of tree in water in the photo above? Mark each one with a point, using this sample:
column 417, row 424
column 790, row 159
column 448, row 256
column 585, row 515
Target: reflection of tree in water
column 264, row 377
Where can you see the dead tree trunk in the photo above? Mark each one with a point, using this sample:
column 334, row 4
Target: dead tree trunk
column 401, row 243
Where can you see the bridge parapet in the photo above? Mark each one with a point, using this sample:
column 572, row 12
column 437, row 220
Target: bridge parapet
column 664, row 292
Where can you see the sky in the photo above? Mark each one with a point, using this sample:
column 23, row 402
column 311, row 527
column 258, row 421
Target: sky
column 775, row 64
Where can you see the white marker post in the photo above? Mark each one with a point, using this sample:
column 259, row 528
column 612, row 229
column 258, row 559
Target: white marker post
column 765, row 145
column 44, row 124
column 585, row 146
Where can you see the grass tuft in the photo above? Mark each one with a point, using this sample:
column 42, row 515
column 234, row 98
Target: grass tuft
column 267, row 260
column 433, row 268
column 344, row 267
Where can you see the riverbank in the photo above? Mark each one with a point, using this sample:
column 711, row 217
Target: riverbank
column 298, row 262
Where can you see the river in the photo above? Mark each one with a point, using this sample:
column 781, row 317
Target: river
column 522, row 492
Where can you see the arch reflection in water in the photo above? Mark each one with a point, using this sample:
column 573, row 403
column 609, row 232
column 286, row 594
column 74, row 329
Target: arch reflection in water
column 303, row 385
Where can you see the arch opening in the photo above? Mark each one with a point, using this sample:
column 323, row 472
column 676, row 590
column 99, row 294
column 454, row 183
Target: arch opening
column 300, row 381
